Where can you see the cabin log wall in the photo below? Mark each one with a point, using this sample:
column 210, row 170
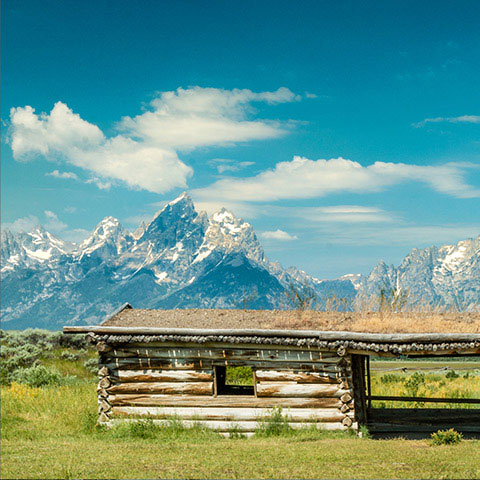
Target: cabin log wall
column 312, row 386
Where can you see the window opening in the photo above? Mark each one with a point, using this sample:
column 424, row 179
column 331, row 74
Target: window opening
column 232, row 380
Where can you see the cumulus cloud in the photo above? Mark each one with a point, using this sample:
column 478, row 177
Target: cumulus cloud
column 64, row 175
column 144, row 155
column 304, row 178
column 189, row 118
column 461, row 119
column 48, row 134
column 278, row 235
column 63, row 135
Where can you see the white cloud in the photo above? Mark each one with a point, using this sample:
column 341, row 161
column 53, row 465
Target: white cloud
column 241, row 209
column 144, row 155
column 24, row 224
column 402, row 234
column 63, row 175
column 227, row 165
column 278, row 235
column 64, row 135
column 344, row 214
column 189, row 118
column 70, row 209
column 304, row 178
column 28, row 223
column 233, row 168
column 460, row 119
column 48, row 134
column 53, row 223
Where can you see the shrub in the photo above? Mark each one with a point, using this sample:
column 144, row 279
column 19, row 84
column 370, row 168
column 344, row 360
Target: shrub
column 446, row 437
column 70, row 356
column 364, row 432
column 142, row 429
column 91, row 365
column 390, row 378
column 452, row 374
column 274, row 425
column 40, row 376
column 239, row 375
column 414, row 383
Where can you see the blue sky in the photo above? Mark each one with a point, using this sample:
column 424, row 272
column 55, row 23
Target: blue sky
column 345, row 132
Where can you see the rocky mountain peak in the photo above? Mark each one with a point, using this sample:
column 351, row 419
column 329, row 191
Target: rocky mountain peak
column 107, row 239
column 231, row 234
column 177, row 222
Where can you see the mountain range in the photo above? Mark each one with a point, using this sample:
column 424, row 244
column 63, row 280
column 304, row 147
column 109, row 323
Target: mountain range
column 186, row 259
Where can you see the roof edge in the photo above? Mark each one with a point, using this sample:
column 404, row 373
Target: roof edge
column 125, row 306
column 325, row 335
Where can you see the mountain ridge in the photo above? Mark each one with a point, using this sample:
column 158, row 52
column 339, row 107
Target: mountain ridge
column 185, row 259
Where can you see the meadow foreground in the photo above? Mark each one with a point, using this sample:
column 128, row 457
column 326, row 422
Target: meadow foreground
column 51, row 433
column 49, row 414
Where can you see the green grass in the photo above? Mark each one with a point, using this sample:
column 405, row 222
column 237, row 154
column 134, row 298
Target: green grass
column 441, row 384
column 50, row 432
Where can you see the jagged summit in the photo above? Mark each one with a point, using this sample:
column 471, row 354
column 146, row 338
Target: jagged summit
column 109, row 238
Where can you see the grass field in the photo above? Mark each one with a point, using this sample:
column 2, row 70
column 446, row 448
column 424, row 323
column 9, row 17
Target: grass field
column 49, row 432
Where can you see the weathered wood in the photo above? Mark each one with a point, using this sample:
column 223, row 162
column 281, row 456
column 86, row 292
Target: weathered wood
column 185, row 364
column 298, row 390
column 311, row 415
column 245, row 426
column 104, row 405
column 299, row 377
column 324, row 335
column 238, row 401
column 347, row 421
column 192, row 388
column 165, row 375
column 103, row 347
column 103, row 418
column 359, row 388
column 101, row 392
column 265, row 354
column 157, row 364
column 346, row 397
column 222, row 345
column 425, row 415
column 229, row 434
column 103, row 372
column 104, row 382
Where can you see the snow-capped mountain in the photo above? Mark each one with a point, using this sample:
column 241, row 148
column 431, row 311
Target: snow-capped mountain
column 182, row 258
column 35, row 248
column 445, row 277
column 185, row 259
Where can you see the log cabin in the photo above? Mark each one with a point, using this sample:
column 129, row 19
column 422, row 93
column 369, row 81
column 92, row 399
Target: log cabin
column 164, row 364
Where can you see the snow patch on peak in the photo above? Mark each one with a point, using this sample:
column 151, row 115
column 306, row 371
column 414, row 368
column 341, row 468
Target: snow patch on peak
column 109, row 238
column 184, row 197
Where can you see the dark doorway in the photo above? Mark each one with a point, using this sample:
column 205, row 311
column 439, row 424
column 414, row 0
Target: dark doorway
column 414, row 397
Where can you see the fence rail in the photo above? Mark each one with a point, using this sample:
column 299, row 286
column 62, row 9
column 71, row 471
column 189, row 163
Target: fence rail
column 423, row 399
